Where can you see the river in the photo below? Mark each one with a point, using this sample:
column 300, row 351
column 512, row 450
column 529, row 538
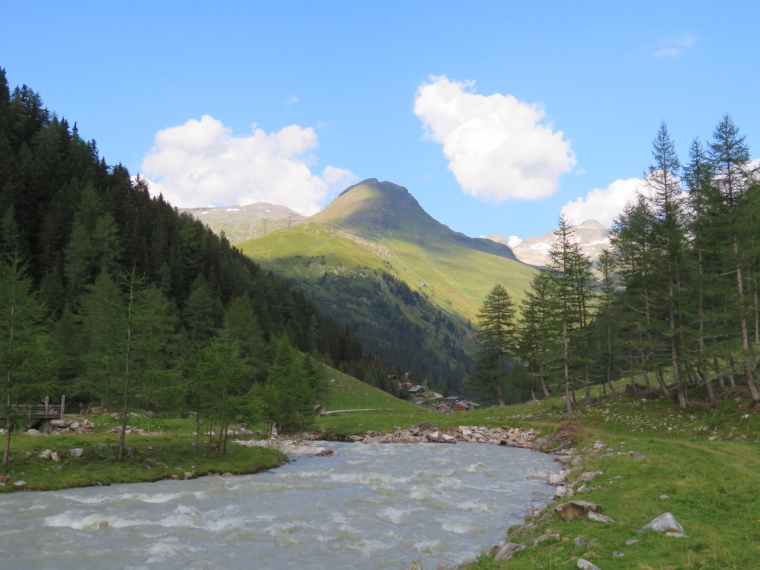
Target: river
column 368, row 506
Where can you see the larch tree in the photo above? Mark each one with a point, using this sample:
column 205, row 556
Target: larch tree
column 25, row 359
column 497, row 339
column 729, row 155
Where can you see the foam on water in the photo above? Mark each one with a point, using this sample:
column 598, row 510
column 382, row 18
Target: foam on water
column 393, row 515
column 377, row 507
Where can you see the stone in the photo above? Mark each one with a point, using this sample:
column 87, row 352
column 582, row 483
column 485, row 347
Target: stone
column 55, row 457
column 548, row 535
column 584, row 564
column 46, row 454
column 580, row 542
column 665, row 521
column 561, row 492
column 664, row 497
column 573, row 510
column 76, row 451
column 227, row 475
column 59, row 423
column 32, row 432
column 599, row 518
column 174, row 477
column 676, row 534
column 617, row 554
column 588, row 476
column 631, row 541
column 556, row 478
column 505, row 550
column 189, row 475
column 19, row 483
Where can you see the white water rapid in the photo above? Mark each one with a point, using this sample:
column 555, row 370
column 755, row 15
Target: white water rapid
column 368, row 506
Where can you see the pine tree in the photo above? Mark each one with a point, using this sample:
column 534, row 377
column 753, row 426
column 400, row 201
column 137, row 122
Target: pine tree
column 25, row 359
column 497, row 340
column 537, row 328
column 729, row 155
column 224, row 377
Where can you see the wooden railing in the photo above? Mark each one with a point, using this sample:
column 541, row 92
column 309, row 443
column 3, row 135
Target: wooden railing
column 44, row 411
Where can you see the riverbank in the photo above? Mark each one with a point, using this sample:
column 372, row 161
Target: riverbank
column 47, row 463
column 635, row 460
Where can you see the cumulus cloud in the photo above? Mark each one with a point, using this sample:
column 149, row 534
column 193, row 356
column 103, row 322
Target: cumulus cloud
column 673, row 47
column 603, row 205
column 497, row 147
column 201, row 163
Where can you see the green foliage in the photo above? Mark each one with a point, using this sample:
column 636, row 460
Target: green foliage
column 288, row 394
column 132, row 285
column 221, row 380
column 25, row 359
column 497, row 338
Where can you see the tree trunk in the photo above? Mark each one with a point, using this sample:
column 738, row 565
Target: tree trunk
column 661, row 382
column 569, row 406
column 7, row 447
column 754, row 393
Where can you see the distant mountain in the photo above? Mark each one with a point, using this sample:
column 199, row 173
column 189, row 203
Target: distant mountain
column 241, row 223
column 592, row 236
column 408, row 285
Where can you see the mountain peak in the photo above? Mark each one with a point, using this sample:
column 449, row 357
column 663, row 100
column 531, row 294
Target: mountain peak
column 374, row 206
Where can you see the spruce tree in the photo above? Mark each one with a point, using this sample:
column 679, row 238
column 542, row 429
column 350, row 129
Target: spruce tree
column 497, row 342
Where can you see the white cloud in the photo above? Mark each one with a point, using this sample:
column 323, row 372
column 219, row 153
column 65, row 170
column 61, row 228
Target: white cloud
column 673, row 47
column 201, row 163
column 292, row 100
column 603, row 205
column 514, row 241
column 497, row 147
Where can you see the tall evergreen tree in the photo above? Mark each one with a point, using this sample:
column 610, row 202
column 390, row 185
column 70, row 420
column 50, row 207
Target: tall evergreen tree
column 497, row 342
column 25, row 359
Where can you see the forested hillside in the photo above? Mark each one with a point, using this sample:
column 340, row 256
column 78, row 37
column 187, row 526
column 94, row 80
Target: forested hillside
column 111, row 296
column 676, row 304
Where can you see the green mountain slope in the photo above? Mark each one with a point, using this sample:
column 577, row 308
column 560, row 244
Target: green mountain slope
column 379, row 225
column 409, row 286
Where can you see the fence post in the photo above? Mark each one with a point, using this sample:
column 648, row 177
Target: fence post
column 63, row 405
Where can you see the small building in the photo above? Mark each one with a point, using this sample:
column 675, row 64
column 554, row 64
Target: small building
column 417, row 392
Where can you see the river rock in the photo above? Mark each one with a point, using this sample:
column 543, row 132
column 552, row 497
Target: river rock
column 55, row 457
column 46, row 454
column 562, row 492
column 32, row 432
column 76, row 451
column 58, row 423
column 19, row 483
column 573, row 510
column 505, row 550
column 584, row 564
column 556, row 478
column 665, row 521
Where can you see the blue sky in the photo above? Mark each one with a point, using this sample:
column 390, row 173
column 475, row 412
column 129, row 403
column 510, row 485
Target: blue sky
column 473, row 107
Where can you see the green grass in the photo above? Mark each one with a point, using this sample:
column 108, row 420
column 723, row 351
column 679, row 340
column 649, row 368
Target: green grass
column 152, row 458
column 706, row 462
column 455, row 277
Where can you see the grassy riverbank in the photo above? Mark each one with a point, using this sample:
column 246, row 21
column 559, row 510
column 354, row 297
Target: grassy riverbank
column 149, row 458
column 700, row 465
column 703, row 466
